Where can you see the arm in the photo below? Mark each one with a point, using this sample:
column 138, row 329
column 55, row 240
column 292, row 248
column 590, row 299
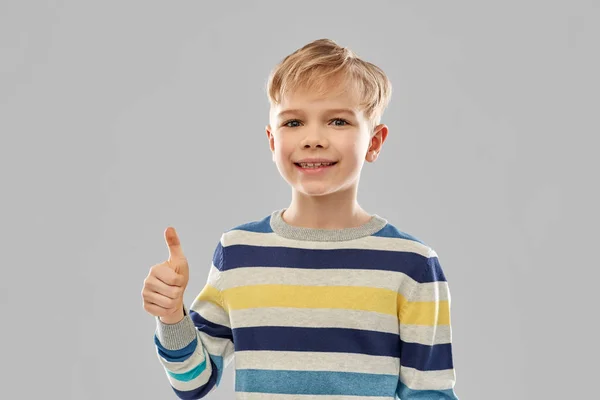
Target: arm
column 426, row 363
column 195, row 351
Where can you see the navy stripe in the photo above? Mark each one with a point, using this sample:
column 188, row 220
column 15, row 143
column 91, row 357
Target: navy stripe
column 411, row 264
column 209, row 327
column 425, row 357
column 339, row 340
column 261, row 226
column 201, row 391
column 327, row 383
column 434, row 272
column 217, row 258
column 176, row 355
column 390, row 231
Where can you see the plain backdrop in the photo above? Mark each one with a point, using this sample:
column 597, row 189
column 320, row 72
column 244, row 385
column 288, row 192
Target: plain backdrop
column 119, row 119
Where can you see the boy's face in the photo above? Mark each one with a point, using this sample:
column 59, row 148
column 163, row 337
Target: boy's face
column 304, row 126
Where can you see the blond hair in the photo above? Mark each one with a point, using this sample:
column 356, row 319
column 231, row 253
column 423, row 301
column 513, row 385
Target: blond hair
column 320, row 66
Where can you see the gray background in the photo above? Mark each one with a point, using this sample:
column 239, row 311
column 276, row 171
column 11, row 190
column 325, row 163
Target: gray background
column 118, row 119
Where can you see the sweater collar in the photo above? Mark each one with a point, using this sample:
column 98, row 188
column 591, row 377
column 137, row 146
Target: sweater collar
column 282, row 228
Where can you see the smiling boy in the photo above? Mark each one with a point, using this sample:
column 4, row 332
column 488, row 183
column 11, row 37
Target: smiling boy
column 307, row 126
column 321, row 299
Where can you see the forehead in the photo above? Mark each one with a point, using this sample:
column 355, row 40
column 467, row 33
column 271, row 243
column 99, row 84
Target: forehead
column 310, row 101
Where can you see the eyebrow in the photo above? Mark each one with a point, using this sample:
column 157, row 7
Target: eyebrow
column 330, row 111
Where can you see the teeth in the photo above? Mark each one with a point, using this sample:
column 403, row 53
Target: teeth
column 314, row 165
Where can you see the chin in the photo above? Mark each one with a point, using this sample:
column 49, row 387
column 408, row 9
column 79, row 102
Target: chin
column 315, row 191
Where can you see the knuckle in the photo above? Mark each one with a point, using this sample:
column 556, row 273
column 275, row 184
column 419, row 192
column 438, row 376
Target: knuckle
column 172, row 278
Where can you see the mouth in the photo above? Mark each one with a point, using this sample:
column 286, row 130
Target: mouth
column 317, row 165
column 314, row 168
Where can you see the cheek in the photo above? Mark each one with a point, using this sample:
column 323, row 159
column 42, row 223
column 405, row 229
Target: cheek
column 283, row 152
column 352, row 150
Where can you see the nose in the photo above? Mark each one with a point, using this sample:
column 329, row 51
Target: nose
column 314, row 139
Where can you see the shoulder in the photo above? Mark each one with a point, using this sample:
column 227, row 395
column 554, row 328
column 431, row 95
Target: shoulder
column 416, row 254
column 407, row 243
column 238, row 235
column 391, row 231
column 241, row 232
column 261, row 225
column 402, row 240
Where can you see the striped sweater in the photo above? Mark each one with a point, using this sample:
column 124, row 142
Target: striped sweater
column 308, row 313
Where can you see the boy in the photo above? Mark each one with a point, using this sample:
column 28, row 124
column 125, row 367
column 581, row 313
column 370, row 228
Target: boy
column 319, row 300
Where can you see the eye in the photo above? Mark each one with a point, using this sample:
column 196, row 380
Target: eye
column 290, row 121
column 342, row 120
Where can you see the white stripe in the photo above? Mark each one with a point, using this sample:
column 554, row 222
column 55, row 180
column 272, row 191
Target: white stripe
column 309, row 277
column 432, row 380
column 428, row 335
column 214, row 275
column 317, row 361
column 427, row 291
column 211, row 311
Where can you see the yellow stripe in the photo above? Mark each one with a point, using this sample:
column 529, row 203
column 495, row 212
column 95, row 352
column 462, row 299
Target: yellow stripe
column 385, row 301
column 210, row 293
column 429, row 313
column 346, row 297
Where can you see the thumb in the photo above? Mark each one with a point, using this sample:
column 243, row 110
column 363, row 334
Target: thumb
column 176, row 256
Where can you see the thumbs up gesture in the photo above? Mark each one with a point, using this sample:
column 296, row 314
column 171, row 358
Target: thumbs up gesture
column 166, row 282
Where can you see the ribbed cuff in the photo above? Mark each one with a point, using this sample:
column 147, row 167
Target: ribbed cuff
column 176, row 336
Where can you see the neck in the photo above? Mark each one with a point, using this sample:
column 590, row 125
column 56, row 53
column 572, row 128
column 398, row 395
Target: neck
column 334, row 211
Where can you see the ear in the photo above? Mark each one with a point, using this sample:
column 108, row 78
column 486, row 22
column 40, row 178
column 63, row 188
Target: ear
column 378, row 137
column 270, row 138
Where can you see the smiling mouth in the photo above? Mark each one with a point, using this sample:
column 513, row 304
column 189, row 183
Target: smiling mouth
column 315, row 165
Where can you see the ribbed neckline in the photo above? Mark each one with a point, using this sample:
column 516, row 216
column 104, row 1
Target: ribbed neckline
column 286, row 230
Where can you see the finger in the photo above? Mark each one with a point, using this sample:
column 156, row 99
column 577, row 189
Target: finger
column 174, row 245
column 169, row 276
column 156, row 285
column 158, row 311
column 160, row 300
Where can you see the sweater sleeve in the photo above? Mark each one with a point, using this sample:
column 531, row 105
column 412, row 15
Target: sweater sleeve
column 195, row 351
column 426, row 363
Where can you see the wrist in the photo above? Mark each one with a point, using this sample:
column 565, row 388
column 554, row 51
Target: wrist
column 174, row 318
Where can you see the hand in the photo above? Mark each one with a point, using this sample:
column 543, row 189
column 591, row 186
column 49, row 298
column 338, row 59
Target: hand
column 165, row 284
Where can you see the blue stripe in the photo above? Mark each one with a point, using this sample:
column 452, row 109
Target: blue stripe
column 315, row 383
column 209, row 327
column 425, row 357
column 176, row 355
column 203, row 390
column 217, row 257
column 191, row 374
column 218, row 362
column 404, row 392
column 261, row 226
column 243, row 256
column 217, row 365
column 390, row 231
column 435, row 272
column 339, row 340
